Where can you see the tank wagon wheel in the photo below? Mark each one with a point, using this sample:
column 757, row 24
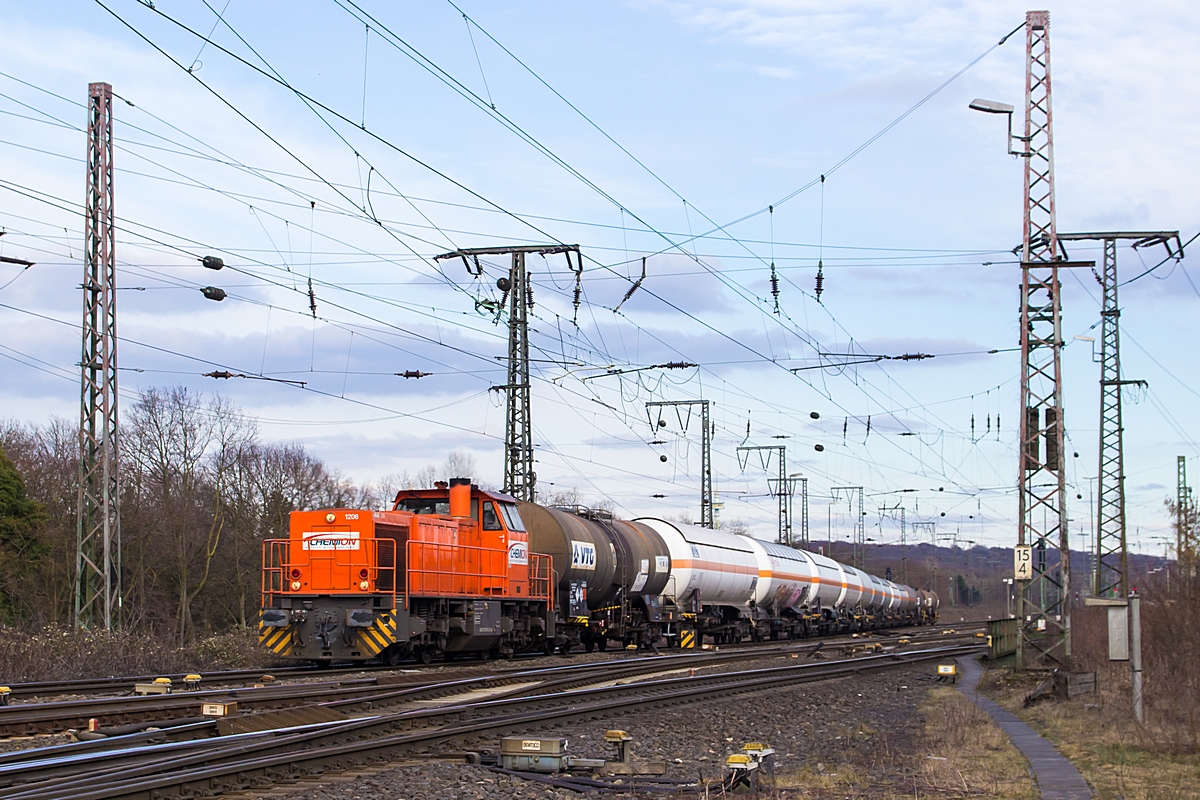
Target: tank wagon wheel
column 425, row 654
column 589, row 645
column 485, row 655
column 601, row 644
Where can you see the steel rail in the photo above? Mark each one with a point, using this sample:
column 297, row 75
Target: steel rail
column 33, row 718
column 223, row 677
column 343, row 744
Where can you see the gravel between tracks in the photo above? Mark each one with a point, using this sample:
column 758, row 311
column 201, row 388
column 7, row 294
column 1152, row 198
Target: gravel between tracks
column 865, row 725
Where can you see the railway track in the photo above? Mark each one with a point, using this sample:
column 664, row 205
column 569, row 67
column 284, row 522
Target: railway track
column 223, row 678
column 363, row 693
column 131, row 767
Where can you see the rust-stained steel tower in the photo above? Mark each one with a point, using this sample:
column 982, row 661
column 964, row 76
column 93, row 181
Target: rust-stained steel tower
column 1042, row 514
column 98, row 550
column 520, row 480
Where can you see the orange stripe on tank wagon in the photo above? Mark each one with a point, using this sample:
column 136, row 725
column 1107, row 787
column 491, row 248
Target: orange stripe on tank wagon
column 714, row 566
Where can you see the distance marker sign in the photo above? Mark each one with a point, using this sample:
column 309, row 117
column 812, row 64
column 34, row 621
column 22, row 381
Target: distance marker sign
column 1023, row 562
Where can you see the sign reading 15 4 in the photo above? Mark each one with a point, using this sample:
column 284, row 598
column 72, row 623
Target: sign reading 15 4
column 1023, row 562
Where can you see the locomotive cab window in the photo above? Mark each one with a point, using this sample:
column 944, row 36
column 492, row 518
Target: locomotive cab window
column 512, row 517
column 491, row 522
column 425, row 505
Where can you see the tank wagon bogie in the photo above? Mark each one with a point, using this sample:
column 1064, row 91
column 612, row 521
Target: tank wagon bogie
column 457, row 570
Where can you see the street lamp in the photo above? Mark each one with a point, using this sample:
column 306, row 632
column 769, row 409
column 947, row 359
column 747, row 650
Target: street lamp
column 993, row 107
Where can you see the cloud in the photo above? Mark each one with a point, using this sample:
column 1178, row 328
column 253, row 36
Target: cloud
column 782, row 73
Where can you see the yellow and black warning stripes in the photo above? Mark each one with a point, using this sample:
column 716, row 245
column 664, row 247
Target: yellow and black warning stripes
column 277, row 640
column 380, row 635
column 687, row 639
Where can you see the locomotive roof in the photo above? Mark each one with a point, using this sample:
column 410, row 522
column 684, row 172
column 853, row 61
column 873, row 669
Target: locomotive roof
column 438, row 492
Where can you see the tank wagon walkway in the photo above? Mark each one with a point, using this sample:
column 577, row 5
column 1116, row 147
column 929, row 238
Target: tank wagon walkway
column 1056, row 777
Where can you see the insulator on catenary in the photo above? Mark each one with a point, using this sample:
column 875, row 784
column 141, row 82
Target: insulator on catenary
column 213, row 293
column 412, row 373
column 662, row 459
column 775, row 287
column 212, row 262
column 312, row 299
column 814, row 415
column 820, row 279
column 820, row 448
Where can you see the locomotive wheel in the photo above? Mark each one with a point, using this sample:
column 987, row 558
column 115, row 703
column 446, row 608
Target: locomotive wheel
column 601, row 644
column 589, row 645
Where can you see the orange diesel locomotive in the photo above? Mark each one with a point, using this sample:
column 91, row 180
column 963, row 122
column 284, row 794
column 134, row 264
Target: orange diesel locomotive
column 448, row 570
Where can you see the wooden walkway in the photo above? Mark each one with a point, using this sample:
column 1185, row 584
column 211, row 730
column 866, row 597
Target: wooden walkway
column 1056, row 777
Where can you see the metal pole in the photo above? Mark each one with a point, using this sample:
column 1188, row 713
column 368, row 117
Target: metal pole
column 1135, row 653
column 804, row 513
column 1042, row 513
column 98, row 597
column 706, row 480
column 520, row 480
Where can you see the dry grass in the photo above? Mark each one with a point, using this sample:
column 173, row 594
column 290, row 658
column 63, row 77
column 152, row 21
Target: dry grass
column 1120, row 759
column 960, row 753
column 966, row 755
column 66, row 653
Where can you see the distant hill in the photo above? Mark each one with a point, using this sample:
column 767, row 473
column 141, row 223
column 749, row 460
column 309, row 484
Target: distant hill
column 969, row 582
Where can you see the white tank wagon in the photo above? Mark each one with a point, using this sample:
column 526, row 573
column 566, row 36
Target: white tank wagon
column 735, row 587
column 640, row 582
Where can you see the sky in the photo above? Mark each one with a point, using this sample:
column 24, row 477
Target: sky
column 349, row 142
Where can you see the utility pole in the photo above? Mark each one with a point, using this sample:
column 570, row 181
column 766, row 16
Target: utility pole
column 782, row 488
column 1042, row 534
column 803, row 513
column 1110, row 574
column 919, row 528
column 858, row 548
column 706, row 488
column 98, row 521
column 903, row 540
column 520, row 479
column 1185, row 535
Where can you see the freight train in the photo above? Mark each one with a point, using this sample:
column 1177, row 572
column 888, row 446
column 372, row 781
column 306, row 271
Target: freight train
column 459, row 570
